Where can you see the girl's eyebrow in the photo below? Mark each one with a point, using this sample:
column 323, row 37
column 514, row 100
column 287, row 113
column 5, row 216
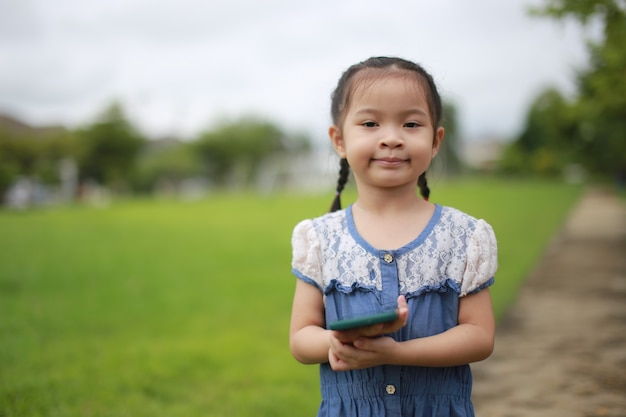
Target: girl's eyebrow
column 408, row 112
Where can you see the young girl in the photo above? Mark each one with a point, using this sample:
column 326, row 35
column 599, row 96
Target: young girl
column 392, row 249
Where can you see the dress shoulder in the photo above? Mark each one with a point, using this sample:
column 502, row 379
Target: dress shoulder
column 310, row 242
column 306, row 253
column 481, row 251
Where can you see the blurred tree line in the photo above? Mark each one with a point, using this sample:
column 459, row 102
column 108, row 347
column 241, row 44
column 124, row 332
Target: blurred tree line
column 588, row 130
column 111, row 152
column 111, row 155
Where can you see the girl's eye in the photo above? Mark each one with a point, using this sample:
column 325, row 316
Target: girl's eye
column 370, row 124
column 411, row 124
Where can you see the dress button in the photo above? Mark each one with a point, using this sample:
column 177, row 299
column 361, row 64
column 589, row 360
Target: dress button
column 391, row 389
column 388, row 258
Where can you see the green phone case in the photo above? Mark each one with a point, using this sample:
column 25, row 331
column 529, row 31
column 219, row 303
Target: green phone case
column 364, row 321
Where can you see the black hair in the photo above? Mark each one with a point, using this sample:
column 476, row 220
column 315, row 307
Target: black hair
column 340, row 100
column 344, row 172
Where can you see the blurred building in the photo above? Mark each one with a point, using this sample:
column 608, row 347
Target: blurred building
column 13, row 126
column 483, row 154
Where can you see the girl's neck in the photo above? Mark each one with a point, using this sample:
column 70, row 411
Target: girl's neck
column 390, row 202
column 389, row 221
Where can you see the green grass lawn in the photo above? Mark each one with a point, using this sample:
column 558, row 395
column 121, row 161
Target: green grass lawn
column 182, row 309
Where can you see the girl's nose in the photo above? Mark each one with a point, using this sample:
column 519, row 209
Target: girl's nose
column 391, row 139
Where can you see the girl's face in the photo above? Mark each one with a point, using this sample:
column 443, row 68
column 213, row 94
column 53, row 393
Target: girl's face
column 387, row 135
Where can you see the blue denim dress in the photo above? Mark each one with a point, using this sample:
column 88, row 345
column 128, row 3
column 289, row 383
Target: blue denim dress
column 455, row 255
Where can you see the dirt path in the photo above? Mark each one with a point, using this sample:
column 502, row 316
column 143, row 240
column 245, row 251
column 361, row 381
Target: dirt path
column 561, row 349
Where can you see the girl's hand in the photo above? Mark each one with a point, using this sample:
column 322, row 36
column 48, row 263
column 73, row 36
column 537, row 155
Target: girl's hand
column 364, row 347
column 363, row 353
column 376, row 330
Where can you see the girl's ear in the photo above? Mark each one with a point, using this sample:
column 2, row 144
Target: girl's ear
column 337, row 140
column 439, row 134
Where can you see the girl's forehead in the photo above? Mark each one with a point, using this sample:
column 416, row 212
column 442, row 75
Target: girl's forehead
column 389, row 86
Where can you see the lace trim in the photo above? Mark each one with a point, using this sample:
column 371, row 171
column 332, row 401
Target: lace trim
column 459, row 250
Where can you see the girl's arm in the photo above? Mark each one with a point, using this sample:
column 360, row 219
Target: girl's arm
column 308, row 339
column 470, row 341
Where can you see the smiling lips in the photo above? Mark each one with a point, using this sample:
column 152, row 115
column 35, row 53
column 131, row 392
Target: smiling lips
column 389, row 160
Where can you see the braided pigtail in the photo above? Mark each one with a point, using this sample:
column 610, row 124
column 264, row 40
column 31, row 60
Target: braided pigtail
column 424, row 190
column 344, row 172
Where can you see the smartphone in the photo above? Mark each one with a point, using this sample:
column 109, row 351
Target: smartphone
column 353, row 323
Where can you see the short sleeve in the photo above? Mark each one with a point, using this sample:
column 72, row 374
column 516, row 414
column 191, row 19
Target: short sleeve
column 306, row 262
column 482, row 259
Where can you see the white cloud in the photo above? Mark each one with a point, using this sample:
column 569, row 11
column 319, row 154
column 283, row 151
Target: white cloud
column 178, row 65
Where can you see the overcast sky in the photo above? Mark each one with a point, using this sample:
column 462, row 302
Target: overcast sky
column 177, row 66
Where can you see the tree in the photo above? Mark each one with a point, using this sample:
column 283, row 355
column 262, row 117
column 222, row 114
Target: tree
column 233, row 151
column 601, row 101
column 109, row 148
column 451, row 143
column 549, row 141
column 167, row 162
column 33, row 152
